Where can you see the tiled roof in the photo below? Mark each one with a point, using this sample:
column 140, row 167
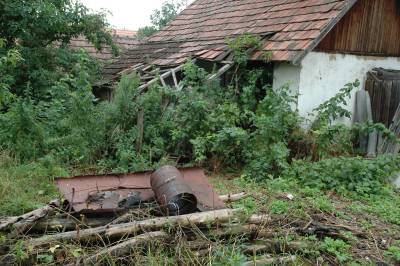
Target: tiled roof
column 124, row 39
column 289, row 29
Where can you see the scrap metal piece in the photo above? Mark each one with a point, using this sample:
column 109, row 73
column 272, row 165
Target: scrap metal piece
column 172, row 192
column 79, row 191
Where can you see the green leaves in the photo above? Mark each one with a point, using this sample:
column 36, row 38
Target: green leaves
column 161, row 17
column 355, row 176
column 338, row 248
column 38, row 32
column 333, row 109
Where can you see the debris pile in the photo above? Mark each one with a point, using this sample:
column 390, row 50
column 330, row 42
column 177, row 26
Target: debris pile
column 127, row 212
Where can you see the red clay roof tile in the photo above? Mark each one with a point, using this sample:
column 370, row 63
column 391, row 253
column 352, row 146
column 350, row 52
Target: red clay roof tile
column 288, row 28
column 124, row 39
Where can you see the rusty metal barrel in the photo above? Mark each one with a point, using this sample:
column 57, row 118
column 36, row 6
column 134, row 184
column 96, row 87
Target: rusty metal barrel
column 171, row 191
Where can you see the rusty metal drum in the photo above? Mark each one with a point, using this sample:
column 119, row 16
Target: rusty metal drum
column 171, row 191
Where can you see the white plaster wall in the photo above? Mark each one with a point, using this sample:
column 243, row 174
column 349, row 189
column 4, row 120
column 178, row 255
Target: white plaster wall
column 322, row 75
column 286, row 74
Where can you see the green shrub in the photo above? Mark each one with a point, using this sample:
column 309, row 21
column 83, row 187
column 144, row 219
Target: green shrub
column 279, row 207
column 338, row 248
column 393, row 252
column 346, row 174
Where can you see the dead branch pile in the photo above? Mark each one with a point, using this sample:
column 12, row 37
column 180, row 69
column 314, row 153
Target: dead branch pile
column 132, row 234
column 50, row 227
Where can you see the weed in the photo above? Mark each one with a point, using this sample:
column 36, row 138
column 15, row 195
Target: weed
column 386, row 207
column 248, row 204
column 26, row 180
column 357, row 176
column 333, row 109
column 323, row 204
column 19, row 251
column 393, row 253
column 228, row 256
column 338, row 248
column 279, row 207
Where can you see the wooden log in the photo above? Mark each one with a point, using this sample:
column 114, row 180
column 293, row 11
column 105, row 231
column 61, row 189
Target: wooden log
column 233, row 197
column 271, row 261
column 22, row 223
column 57, row 224
column 127, row 246
column 275, row 247
column 217, row 216
column 234, row 230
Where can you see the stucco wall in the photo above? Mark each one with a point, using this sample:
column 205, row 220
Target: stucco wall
column 321, row 75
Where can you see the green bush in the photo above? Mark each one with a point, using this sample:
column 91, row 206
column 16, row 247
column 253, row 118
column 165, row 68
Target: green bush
column 338, row 248
column 346, row 174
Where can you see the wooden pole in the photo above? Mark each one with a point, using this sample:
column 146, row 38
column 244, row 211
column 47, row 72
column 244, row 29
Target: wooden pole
column 132, row 228
column 233, row 197
column 124, row 248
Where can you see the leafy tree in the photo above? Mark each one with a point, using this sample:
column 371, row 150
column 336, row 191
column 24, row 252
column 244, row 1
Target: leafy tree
column 40, row 30
column 46, row 101
column 161, row 17
column 8, row 61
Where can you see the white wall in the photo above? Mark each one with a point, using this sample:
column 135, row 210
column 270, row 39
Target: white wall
column 323, row 74
column 286, row 74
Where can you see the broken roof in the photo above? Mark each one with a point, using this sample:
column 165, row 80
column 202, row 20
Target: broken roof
column 289, row 29
column 124, row 39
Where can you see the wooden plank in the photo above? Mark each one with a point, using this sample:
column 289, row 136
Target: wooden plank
column 371, row 27
column 140, row 127
column 387, row 85
column 174, row 78
column 220, row 72
column 143, row 87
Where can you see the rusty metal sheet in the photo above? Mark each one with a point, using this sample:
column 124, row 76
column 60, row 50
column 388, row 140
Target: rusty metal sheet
column 81, row 191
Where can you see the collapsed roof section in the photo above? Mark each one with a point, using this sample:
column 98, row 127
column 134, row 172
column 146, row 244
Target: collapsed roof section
column 290, row 28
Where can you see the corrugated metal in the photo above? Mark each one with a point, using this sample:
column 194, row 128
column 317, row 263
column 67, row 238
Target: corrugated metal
column 104, row 192
column 372, row 27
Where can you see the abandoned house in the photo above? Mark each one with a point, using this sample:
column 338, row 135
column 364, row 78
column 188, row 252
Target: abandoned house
column 317, row 46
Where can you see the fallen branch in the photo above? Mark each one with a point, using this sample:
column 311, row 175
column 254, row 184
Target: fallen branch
column 57, row 224
column 233, row 197
column 275, row 247
column 269, row 261
column 217, row 216
column 22, row 223
column 125, row 247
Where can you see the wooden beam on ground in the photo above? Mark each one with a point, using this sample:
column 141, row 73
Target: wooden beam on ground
column 132, row 228
column 125, row 248
column 233, row 197
column 22, row 223
column 266, row 260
